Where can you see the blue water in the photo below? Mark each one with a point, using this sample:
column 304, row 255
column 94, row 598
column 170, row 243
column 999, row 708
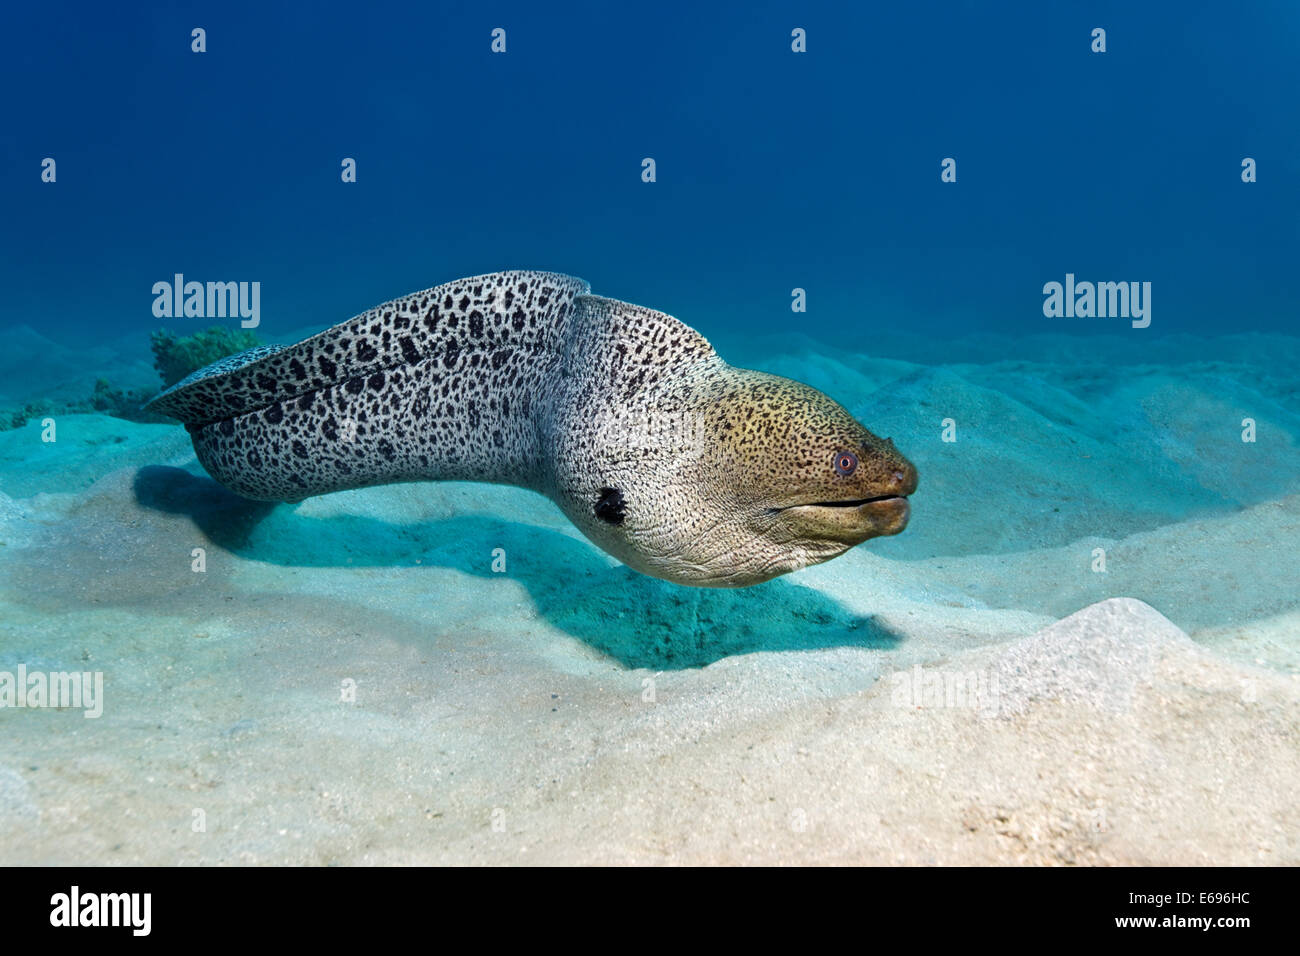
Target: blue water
column 775, row 170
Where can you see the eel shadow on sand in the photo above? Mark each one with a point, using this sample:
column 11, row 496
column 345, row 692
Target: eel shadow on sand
column 639, row 621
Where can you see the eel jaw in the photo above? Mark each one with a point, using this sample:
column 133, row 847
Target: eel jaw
column 849, row 522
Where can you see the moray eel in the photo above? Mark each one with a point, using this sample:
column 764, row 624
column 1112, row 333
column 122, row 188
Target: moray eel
column 661, row 453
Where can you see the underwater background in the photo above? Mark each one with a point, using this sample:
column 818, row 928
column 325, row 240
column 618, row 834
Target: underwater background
column 774, row 170
column 1084, row 648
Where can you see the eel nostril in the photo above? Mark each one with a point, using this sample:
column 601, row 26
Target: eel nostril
column 905, row 480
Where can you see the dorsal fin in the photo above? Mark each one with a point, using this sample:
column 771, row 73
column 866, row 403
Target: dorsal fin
column 631, row 345
column 494, row 312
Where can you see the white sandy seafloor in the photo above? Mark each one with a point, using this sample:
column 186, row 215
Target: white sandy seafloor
column 969, row 692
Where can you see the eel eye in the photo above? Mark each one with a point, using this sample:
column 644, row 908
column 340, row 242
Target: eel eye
column 845, row 463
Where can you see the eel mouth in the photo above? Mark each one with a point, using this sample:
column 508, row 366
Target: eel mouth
column 850, row 503
column 851, row 520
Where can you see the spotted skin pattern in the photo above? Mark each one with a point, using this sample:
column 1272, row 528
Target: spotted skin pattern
column 665, row 456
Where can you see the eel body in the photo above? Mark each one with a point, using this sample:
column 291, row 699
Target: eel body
column 661, row 453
